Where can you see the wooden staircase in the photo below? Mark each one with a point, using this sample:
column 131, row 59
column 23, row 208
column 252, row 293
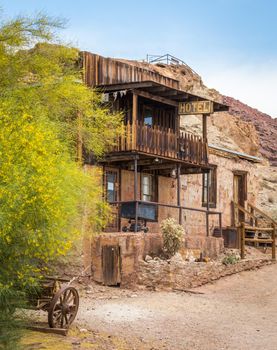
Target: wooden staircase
column 254, row 226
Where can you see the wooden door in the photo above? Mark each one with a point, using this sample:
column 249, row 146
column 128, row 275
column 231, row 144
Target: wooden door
column 240, row 195
column 111, row 265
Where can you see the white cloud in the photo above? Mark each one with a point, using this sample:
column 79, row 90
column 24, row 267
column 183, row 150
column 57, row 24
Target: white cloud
column 254, row 85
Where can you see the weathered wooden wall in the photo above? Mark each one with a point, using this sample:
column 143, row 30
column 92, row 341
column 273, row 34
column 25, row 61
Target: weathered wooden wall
column 100, row 70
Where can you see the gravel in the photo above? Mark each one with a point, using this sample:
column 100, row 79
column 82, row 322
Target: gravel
column 236, row 312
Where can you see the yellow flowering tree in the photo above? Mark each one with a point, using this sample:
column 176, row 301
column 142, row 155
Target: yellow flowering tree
column 45, row 110
column 40, row 192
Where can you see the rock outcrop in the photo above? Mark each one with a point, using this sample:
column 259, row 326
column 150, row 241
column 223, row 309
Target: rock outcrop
column 265, row 125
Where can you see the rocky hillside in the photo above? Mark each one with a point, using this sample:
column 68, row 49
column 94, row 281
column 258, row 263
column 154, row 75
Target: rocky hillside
column 264, row 124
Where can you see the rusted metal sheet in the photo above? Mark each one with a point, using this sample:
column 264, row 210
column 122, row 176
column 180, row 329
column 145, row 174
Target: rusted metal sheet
column 100, row 70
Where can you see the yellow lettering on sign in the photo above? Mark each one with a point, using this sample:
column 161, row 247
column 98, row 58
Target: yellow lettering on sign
column 196, row 107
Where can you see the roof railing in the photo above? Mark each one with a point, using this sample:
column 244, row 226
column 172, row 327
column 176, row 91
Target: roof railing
column 168, row 60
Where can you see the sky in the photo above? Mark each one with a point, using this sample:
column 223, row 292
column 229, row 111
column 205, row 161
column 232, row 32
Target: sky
column 232, row 44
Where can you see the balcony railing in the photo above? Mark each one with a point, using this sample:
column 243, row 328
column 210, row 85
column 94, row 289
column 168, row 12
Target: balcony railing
column 163, row 142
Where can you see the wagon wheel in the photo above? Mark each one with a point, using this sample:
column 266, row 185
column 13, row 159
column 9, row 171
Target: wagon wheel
column 63, row 308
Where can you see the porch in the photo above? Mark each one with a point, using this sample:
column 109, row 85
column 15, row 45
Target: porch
column 146, row 193
column 161, row 142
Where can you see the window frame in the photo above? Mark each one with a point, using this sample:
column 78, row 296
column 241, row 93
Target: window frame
column 212, row 188
column 145, row 115
column 114, row 173
column 152, row 185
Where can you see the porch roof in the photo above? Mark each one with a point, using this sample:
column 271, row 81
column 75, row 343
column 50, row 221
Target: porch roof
column 236, row 154
column 159, row 92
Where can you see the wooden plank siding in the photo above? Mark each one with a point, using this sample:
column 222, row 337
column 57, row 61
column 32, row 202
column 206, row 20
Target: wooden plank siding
column 100, row 70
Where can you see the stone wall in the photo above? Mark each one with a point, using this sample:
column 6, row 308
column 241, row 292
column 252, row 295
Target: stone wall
column 177, row 274
column 134, row 247
column 194, row 222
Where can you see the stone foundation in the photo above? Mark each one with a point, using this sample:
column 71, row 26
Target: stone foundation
column 177, row 274
column 134, row 247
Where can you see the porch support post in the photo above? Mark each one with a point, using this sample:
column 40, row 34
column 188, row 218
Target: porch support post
column 208, row 204
column 179, row 192
column 204, row 127
column 136, row 191
column 119, row 199
column 220, row 224
column 134, row 120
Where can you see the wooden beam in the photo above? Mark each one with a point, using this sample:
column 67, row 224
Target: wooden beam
column 157, row 89
column 192, row 171
column 180, row 97
column 169, row 93
column 156, row 98
column 159, row 166
column 60, row 331
column 123, row 86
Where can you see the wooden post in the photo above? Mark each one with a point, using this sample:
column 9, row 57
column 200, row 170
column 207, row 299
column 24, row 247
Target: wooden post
column 179, row 192
column 136, row 191
column 204, row 127
column 220, row 224
column 208, row 205
column 134, row 120
column 274, row 232
column 242, row 237
column 119, row 199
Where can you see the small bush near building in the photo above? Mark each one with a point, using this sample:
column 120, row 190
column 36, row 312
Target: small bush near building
column 172, row 236
column 230, row 259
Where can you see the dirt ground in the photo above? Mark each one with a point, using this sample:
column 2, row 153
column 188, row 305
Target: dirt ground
column 237, row 312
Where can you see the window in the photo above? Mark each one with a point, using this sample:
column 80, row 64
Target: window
column 148, row 188
column 111, row 179
column 148, row 117
column 212, row 188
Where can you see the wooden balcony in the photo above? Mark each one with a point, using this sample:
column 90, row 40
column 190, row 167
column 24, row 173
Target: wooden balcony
column 162, row 142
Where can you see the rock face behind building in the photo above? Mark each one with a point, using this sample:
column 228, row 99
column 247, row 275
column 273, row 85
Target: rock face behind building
column 265, row 125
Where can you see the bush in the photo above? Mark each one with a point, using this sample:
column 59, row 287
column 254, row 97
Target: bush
column 172, row 236
column 230, row 259
column 11, row 326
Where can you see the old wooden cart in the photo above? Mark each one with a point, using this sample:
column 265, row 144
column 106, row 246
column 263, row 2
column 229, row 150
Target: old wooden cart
column 58, row 298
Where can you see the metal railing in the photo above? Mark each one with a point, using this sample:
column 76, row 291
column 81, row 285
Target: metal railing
column 168, row 60
column 179, row 208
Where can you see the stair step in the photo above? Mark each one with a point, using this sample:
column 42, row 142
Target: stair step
column 259, row 240
column 254, row 228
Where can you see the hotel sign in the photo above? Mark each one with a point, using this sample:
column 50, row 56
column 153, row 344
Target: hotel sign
column 196, row 107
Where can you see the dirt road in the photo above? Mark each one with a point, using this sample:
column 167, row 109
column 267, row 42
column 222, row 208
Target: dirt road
column 238, row 313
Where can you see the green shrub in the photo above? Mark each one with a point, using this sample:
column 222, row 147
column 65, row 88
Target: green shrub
column 230, row 259
column 172, row 236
